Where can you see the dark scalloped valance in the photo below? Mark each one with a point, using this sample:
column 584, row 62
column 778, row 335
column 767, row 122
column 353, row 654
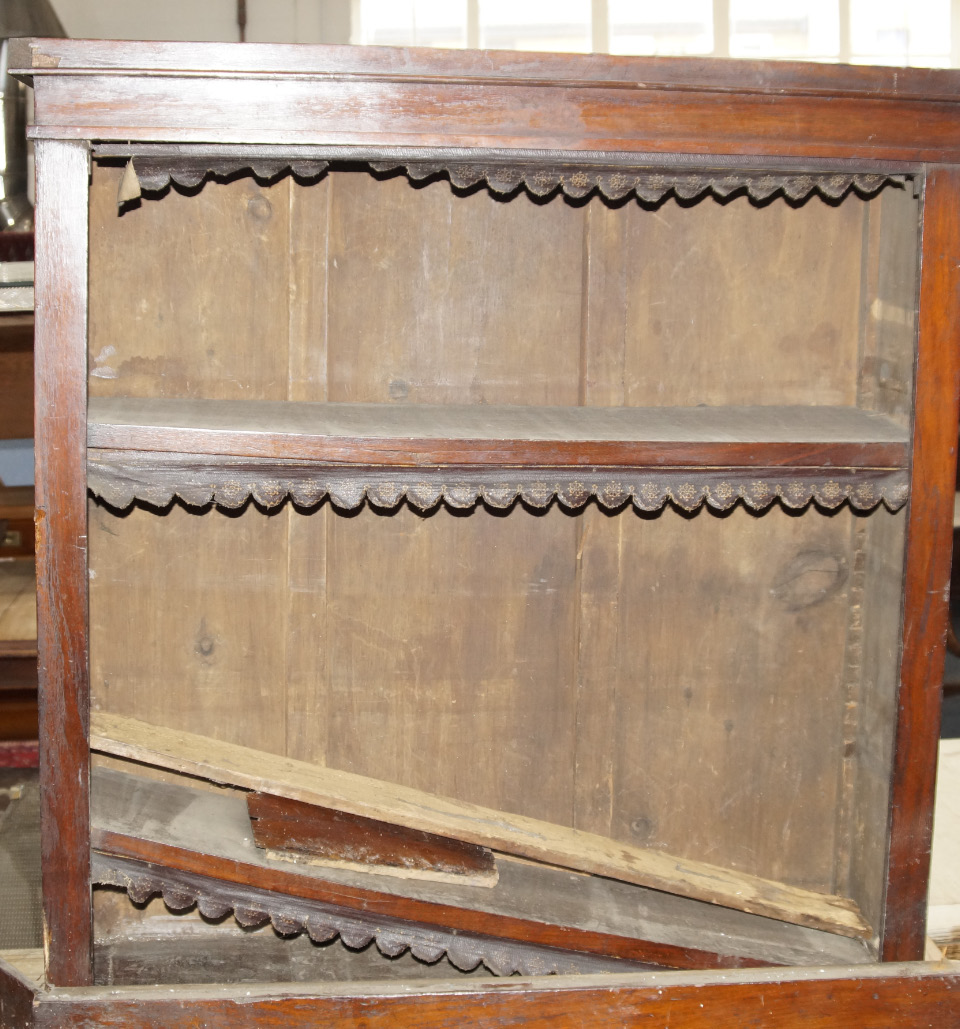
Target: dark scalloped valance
column 121, row 477
column 505, row 175
column 324, row 922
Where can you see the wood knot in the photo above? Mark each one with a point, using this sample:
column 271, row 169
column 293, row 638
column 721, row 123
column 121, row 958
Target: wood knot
column 809, row 578
column 642, row 827
column 259, row 208
column 205, row 643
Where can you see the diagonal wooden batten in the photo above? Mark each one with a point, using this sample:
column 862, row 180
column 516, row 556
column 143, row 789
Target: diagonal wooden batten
column 512, row 834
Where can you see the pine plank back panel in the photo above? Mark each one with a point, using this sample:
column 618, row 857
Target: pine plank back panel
column 566, row 645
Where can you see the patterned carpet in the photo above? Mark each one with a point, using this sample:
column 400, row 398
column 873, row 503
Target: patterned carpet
column 20, row 918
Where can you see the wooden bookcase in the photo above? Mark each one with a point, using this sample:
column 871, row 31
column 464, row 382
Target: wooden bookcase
column 553, row 453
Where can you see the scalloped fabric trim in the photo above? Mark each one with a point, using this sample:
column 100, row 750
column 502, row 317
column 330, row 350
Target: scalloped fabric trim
column 155, row 174
column 684, row 489
column 650, row 186
column 323, row 922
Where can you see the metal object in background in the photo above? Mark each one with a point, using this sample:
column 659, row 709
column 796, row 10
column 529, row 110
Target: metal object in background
column 16, row 211
column 18, row 18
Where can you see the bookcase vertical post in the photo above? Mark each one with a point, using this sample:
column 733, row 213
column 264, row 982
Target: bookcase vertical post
column 61, row 520
column 926, row 589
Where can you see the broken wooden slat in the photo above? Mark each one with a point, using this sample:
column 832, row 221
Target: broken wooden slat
column 291, row 828
column 179, row 827
column 512, row 834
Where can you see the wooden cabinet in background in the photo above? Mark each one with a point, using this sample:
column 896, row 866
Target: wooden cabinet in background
column 550, row 453
column 16, row 376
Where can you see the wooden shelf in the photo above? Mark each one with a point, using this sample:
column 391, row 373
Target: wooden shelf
column 418, row 435
column 201, row 450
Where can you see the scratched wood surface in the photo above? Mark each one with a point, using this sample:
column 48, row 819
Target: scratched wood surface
column 729, row 654
column 583, row 669
column 298, row 832
column 680, row 296
column 886, row 381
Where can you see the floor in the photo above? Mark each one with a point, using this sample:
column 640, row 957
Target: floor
column 20, row 924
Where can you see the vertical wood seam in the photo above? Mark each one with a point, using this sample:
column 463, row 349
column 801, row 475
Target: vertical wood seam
column 852, row 684
column 580, row 534
column 327, row 512
column 288, row 512
column 851, row 687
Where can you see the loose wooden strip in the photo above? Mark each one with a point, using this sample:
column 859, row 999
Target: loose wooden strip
column 291, row 828
column 512, row 834
column 183, row 829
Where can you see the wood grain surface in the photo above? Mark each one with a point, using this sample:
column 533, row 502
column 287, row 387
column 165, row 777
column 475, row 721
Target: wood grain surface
column 169, row 825
column 16, row 376
column 237, row 766
column 926, row 589
column 17, row 992
column 335, row 61
column 888, row 326
column 324, row 836
column 503, row 692
column 418, row 435
column 902, row 994
column 548, row 102
column 61, row 521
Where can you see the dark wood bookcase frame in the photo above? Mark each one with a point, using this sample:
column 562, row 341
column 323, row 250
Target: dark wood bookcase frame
column 111, row 97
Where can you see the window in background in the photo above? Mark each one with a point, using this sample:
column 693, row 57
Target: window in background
column 894, row 32
column 412, row 22
column 640, row 28
column 807, row 30
column 897, row 32
column 564, row 25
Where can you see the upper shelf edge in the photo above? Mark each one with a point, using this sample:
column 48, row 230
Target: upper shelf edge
column 39, row 56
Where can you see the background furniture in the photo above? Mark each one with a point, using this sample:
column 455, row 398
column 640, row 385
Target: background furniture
column 18, row 620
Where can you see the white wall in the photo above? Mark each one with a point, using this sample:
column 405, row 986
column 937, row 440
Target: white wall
column 268, row 21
